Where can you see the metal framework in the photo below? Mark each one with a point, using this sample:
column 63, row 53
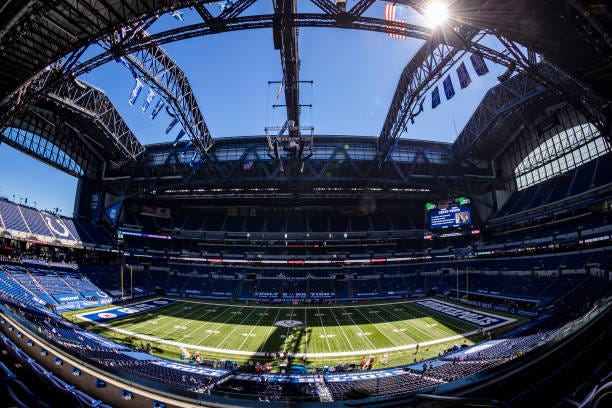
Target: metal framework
column 54, row 137
column 48, row 30
column 286, row 41
column 39, row 32
column 91, row 102
column 74, row 120
column 429, row 63
column 162, row 74
column 340, row 167
column 54, row 28
column 502, row 99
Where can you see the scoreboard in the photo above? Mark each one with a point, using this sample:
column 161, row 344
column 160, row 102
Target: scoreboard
column 449, row 214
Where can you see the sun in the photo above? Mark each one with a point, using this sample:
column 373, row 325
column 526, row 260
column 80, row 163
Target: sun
column 436, row 12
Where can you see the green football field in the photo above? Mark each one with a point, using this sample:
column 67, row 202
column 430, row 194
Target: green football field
column 323, row 333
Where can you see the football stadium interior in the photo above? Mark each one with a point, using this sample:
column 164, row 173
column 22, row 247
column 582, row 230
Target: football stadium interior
column 298, row 269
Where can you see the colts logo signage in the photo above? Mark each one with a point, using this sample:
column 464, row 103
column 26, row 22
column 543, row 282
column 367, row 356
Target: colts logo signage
column 56, row 226
column 289, row 323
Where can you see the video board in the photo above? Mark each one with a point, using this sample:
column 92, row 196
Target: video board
column 450, row 214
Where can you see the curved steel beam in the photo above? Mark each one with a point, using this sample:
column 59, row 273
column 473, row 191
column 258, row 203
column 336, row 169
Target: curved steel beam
column 161, row 73
column 429, row 63
column 93, row 103
column 251, row 23
column 52, row 29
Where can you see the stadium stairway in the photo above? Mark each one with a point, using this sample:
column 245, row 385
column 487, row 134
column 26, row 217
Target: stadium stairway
column 25, row 287
column 24, row 220
column 325, row 394
column 43, row 292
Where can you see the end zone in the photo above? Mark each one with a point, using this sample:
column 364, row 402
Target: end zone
column 123, row 311
column 478, row 318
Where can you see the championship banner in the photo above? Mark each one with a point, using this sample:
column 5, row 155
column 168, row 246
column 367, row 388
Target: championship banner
column 113, row 212
column 157, row 108
column 479, row 64
column 135, row 92
column 435, row 98
column 179, row 136
column 464, row 76
column 148, row 100
column 449, row 90
column 129, row 66
column 95, row 205
column 171, row 125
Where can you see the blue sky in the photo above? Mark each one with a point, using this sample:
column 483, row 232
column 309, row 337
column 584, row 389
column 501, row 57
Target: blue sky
column 355, row 74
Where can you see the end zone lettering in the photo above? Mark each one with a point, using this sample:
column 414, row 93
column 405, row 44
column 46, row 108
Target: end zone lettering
column 120, row 312
column 480, row 319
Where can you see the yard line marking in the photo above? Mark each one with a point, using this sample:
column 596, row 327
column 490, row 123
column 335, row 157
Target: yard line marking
column 173, row 320
column 450, row 323
column 306, row 327
column 358, row 333
column 215, row 328
column 342, row 330
column 413, row 326
column 197, row 312
column 269, row 330
column 253, row 327
column 127, row 319
column 236, row 326
column 380, row 331
column 309, row 355
column 287, row 335
column 324, row 332
column 397, row 329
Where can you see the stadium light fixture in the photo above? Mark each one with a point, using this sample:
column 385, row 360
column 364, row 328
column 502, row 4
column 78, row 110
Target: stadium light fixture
column 436, row 12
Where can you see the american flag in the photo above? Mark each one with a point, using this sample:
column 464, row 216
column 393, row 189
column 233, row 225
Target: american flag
column 390, row 14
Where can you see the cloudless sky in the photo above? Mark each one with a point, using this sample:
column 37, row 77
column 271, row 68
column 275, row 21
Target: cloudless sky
column 355, row 74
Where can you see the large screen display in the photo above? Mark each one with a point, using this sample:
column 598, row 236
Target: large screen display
column 449, row 215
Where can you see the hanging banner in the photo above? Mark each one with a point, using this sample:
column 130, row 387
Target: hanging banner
column 157, row 108
column 171, row 125
column 479, row 64
column 435, row 98
column 449, row 90
column 129, row 66
column 112, row 212
column 148, row 100
column 96, row 205
column 463, row 75
column 178, row 137
column 187, row 146
column 135, row 92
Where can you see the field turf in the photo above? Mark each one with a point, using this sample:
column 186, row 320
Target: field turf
column 326, row 333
